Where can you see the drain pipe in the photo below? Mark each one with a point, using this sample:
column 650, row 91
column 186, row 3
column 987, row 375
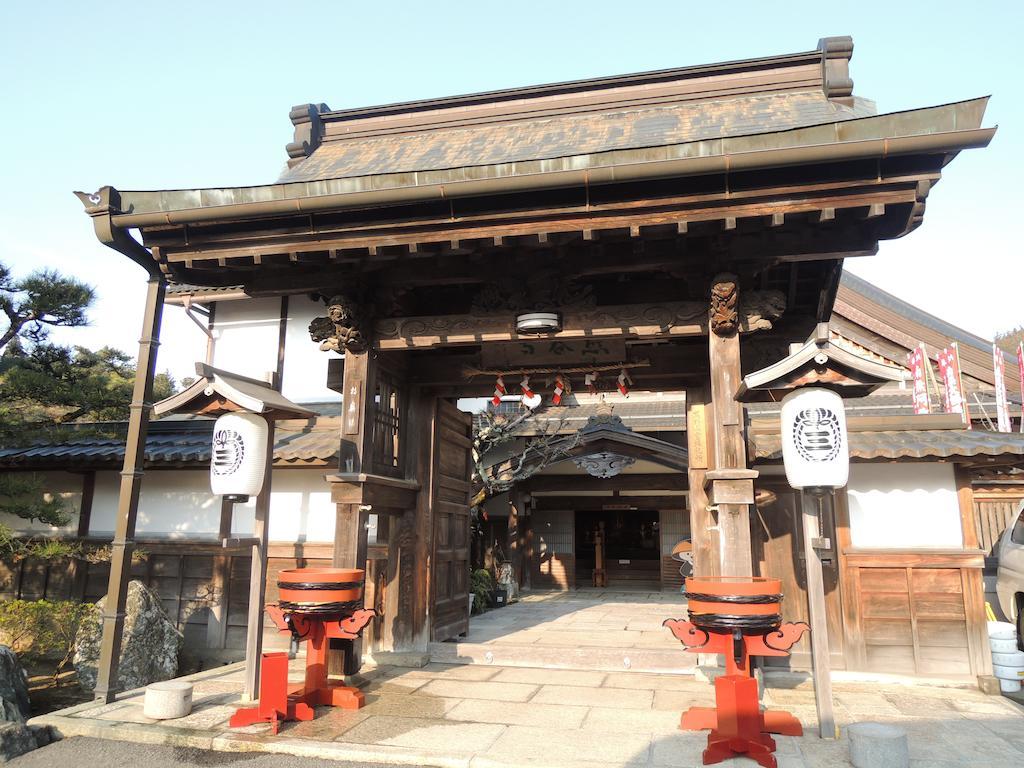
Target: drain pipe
column 101, row 206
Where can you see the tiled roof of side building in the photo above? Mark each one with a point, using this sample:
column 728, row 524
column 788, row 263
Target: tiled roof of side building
column 913, row 444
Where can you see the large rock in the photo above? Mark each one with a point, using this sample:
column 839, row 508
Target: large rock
column 17, row 738
column 13, row 688
column 149, row 648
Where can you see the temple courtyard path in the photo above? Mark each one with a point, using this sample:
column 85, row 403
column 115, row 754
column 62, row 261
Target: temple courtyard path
column 494, row 716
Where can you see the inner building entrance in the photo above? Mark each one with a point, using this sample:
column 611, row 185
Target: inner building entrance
column 618, row 549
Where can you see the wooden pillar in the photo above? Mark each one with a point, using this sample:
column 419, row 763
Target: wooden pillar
column 258, row 576
column 131, row 486
column 811, row 515
column 420, row 429
column 702, row 522
column 515, row 519
column 730, row 449
column 526, row 546
column 350, row 533
column 973, row 585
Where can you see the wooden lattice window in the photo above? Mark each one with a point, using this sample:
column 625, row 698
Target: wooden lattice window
column 387, row 424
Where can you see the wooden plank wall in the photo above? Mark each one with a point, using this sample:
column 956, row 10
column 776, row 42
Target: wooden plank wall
column 554, row 565
column 916, row 613
column 994, row 510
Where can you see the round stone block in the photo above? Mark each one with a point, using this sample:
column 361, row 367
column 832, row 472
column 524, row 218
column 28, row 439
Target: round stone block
column 1003, row 644
column 1012, row 658
column 168, row 700
column 878, row 745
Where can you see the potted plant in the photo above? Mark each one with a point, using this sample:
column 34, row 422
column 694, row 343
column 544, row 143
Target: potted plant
column 481, row 585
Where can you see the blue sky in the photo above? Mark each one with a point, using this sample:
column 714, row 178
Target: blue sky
column 187, row 94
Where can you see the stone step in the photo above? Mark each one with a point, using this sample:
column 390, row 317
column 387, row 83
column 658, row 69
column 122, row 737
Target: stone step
column 562, row 657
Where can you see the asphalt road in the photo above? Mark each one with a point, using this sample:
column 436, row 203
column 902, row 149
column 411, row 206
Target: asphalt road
column 99, row 753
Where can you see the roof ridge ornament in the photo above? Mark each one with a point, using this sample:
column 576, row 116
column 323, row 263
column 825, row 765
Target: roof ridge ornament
column 309, row 131
column 836, row 53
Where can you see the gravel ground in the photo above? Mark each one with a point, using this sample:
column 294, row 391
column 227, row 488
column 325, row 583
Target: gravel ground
column 99, row 753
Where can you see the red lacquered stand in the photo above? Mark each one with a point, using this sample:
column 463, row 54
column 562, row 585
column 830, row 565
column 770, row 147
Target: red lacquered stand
column 315, row 605
column 737, row 723
column 277, row 702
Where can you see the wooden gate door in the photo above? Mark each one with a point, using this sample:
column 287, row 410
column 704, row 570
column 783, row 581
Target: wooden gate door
column 449, row 500
column 777, row 537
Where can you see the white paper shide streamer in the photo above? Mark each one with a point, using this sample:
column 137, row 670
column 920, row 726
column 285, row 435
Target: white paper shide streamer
column 815, row 448
column 239, row 455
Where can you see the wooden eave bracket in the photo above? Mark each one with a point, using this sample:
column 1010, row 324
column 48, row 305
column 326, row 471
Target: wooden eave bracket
column 730, row 486
column 379, row 493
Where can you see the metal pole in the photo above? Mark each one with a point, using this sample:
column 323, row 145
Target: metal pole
column 810, row 505
column 131, row 485
column 258, row 577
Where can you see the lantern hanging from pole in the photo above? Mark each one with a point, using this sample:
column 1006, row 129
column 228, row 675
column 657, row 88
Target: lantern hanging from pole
column 815, row 448
column 239, row 456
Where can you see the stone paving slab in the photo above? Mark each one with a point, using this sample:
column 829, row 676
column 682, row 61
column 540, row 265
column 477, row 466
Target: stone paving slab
column 495, row 715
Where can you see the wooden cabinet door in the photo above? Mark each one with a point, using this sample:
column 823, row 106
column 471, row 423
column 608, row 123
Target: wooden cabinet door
column 449, row 501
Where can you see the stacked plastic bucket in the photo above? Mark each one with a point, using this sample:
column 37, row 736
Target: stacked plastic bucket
column 1007, row 660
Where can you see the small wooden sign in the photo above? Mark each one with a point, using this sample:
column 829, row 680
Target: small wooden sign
column 697, row 425
column 353, row 407
column 553, row 352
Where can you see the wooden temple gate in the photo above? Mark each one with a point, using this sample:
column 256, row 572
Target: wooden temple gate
column 689, row 257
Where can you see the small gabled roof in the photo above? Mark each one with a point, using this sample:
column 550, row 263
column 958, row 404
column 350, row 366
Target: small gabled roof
column 215, row 390
column 820, row 363
column 605, row 431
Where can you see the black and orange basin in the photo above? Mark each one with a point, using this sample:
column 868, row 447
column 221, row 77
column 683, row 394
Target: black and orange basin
column 740, row 602
column 320, row 590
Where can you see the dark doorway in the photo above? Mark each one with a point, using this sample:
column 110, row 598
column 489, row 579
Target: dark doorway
column 632, row 549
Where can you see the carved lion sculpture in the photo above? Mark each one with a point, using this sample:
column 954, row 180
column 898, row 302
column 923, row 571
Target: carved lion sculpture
column 339, row 331
column 724, row 317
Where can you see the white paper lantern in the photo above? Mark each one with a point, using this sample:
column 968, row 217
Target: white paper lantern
column 239, row 455
column 814, row 440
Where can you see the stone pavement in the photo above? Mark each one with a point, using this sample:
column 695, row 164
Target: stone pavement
column 586, row 629
column 492, row 716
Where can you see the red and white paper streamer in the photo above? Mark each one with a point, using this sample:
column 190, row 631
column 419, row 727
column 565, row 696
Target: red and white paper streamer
column 561, row 387
column 524, row 385
column 499, row 390
column 591, row 381
column 624, row 382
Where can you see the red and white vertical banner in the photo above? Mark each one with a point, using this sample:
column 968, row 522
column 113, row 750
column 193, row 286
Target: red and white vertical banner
column 949, row 370
column 1002, row 404
column 916, row 362
column 1020, row 371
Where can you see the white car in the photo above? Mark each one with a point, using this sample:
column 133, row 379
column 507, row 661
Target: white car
column 1010, row 576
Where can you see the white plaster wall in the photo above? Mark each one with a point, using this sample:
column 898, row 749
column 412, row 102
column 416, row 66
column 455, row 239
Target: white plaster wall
column 907, row 505
column 246, row 333
column 174, row 503
column 69, row 486
column 305, row 366
column 300, row 508
column 178, row 504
